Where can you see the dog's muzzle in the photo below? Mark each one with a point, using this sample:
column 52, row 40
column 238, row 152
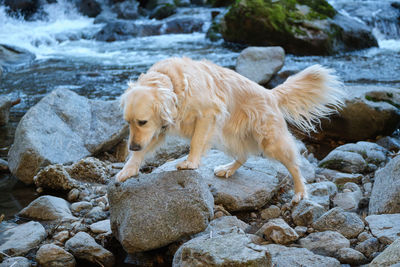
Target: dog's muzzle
column 135, row 147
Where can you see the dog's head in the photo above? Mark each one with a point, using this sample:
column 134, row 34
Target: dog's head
column 149, row 106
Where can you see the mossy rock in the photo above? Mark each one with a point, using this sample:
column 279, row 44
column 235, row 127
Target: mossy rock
column 220, row 3
column 300, row 26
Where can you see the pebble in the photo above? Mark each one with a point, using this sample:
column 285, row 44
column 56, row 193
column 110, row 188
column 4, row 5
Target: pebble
column 271, row 212
column 73, row 195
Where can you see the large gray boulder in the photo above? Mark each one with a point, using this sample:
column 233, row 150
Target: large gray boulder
column 21, row 239
column 385, row 196
column 369, row 111
column 385, row 227
column 325, row 243
column 154, row 210
column 251, row 187
column 16, row 262
column 47, row 208
column 389, row 257
column 64, row 128
column 346, row 223
column 231, row 248
column 282, row 256
column 259, row 64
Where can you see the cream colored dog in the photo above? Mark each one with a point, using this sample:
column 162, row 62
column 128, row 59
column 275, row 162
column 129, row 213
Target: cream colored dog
column 208, row 103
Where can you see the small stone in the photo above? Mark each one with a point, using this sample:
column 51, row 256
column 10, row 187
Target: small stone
column 223, row 223
column 253, row 215
column 96, row 214
column 322, row 193
column 350, row 198
column 307, row 212
column 73, row 195
column 50, row 255
column 101, row 227
column 301, row 230
column 16, row 262
column 364, row 236
column 278, row 231
column 61, row 236
column 369, row 246
column 79, row 206
column 325, row 243
column 351, row 256
column 3, row 165
column 271, row 212
column 389, row 257
column 83, row 246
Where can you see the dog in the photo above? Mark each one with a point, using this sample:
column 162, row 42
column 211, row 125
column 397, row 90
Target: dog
column 209, row 104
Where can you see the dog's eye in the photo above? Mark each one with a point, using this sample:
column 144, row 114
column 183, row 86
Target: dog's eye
column 141, row 123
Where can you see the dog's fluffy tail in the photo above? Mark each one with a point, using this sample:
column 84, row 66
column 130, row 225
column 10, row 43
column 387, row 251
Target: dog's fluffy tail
column 309, row 95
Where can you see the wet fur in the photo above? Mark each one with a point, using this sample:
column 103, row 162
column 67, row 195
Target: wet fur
column 211, row 104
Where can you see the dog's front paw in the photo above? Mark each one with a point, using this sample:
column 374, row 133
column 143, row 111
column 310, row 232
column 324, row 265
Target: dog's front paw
column 126, row 173
column 187, row 165
column 224, row 171
column 299, row 196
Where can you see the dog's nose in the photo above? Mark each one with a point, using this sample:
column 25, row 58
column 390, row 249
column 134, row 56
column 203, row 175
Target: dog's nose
column 135, row 147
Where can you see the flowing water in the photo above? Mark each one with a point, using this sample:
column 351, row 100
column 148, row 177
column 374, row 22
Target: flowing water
column 68, row 56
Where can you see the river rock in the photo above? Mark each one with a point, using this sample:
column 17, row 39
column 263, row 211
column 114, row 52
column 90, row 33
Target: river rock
column 315, row 29
column 21, row 239
column 385, row 227
column 282, row 256
column 355, row 158
column 336, row 219
column 369, row 247
column 390, row 143
column 90, row 170
column 325, row 243
column 24, row 7
column 126, row 9
column 47, row 208
column 350, row 198
column 351, row 256
column 385, row 196
column 55, row 177
column 50, row 255
column 389, row 257
column 16, row 262
column 306, row 212
column 63, row 128
column 101, row 227
column 154, row 210
column 231, row 248
column 83, row 246
column 271, row 212
column 251, row 187
column 90, row 8
column 184, row 25
column 223, row 223
column 81, row 205
column 278, row 231
column 369, row 111
column 321, row 193
column 163, row 11
column 3, row 165
column 5, row 105
column 11, row 56
column 340, row 178
column 259, row 64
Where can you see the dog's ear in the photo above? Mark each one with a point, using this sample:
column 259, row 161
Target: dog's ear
column 165, row 105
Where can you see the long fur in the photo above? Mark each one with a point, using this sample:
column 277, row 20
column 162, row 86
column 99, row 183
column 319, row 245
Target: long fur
column 207, row 103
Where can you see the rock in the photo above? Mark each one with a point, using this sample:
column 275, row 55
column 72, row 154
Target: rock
column 11, row 56
column 55, row 177
column 21, row 239
column 120, row 30
column 251, row 187
column 47, row 208
column 73, row 195
column 184, row 25
column 385, row 196
column 98, row 126
column 127, row 9
column 301, row 230
column 3, row 165
column 101, row 227
column 389, row 257
column 390, row 143
column 61, row 236
column 364, row 236
column 16, row 262
column 278, row 231
column 325, row 243
column 157, row 209
column 232, row 248
column 24, row 7
column 163, row 11
column 385, row 227
column 282, row 256
column 90, row 170
column 348, row 200
column 351, row 256
column 369, row 111
column 355, row 158
column 83, row 246
column 369, row 246
column 90, row 8
column 81, row 205
column 223, row 223
column 50, row 255
column 322, row 192
column 340, row 178
column 96, row 214
column 271, row 212
column 259, row 64
column 336, row 219
column 307, row 212
column 300, row 27
column 5, row 105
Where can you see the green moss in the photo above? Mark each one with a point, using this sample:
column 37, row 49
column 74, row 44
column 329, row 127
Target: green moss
column 320, row 7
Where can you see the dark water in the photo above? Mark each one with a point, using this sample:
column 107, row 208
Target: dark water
column 66, row 58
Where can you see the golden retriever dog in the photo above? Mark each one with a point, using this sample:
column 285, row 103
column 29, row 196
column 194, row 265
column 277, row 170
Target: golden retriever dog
column 211, row 104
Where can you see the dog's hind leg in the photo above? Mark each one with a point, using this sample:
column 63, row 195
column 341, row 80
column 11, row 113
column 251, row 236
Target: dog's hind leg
column 228, row 169
column 203, row 132
column 281, row 146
